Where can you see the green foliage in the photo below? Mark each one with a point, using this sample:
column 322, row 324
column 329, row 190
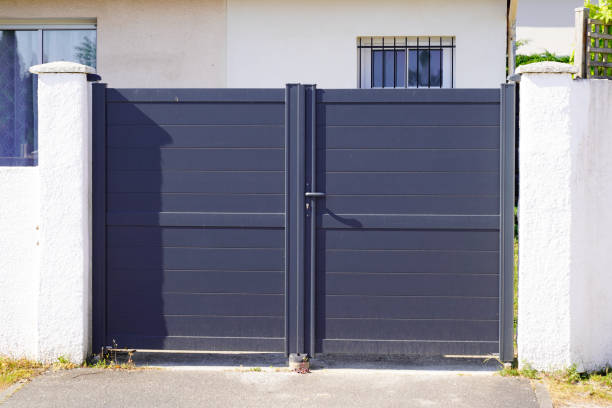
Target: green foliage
column 572, row 375
column 545, row 56
column 526, row 372
column 601, row 11
column 530, row 372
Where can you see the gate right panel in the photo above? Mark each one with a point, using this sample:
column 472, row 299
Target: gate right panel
column 408, row 236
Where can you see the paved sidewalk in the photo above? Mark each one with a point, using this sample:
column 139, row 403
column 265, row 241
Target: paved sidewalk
column 189, row 386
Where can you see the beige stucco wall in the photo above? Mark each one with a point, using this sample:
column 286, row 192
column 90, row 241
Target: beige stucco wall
column 146, row 43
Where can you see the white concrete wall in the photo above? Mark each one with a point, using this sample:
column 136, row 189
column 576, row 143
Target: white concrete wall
column 45, row 261
column 565, row 224
column 546, row 25
column 65, row 260
column 19, row 255
column 273, row 42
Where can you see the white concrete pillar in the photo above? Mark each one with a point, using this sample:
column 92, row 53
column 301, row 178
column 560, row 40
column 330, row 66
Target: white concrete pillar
column 64, row 296
column 565, row 238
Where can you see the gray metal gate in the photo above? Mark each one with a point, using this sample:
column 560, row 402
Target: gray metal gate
column 304, row 220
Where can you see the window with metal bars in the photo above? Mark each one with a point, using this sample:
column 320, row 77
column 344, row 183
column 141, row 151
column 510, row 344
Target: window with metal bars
column 406, row 62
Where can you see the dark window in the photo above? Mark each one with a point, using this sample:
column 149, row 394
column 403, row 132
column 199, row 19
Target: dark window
column 406, row 62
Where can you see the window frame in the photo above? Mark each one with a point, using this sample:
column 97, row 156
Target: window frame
column 394, row 47
column 49, row 26
column 40, row 27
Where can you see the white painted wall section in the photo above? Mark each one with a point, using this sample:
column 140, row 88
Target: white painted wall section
column 19, row 252
column 45, row 263
column 274, row 42
column 546, row 25
column 565, row 166
column 65, row 284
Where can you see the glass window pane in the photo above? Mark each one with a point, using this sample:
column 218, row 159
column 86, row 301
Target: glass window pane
column 389, row 68
column 70, row 45
column 435, row 75
column 19, row 50
column 400, row 69
column 423, row 68
column 377, row 68
column 446, row 68
column 366, row 65
column 412, row 68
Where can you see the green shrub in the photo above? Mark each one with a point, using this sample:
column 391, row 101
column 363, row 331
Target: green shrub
column 545, row 56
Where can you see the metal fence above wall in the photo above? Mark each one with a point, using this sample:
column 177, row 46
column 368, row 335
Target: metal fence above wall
column 593, row 56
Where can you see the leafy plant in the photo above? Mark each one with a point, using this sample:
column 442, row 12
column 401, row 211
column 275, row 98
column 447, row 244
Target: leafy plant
column 529, row 372
column 601, row 11
column 572, row 375
column 545, row 56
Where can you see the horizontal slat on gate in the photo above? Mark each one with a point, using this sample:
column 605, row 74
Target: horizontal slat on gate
column 410, row 221
column 266, row 344
column 408, row 137
column 411, row 183
column 409, row 204
column 409, row 239
column 194, row 182
column 209, row 304
column 396, row 160
column 399, row 329
column 409, row 96
column 196, row 202
column 451, row 262
column 229, row 113
column 131, row 236
column 196, row 159
column 208, row 136
column 184, row 219
column 402, row 307
column 149, row 282
column 182, row 95
column 240, row 259
column 412, row 284
column 416, row 114
column 196, row 325
column 478, row 348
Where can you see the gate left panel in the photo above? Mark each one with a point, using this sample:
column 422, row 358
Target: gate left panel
column 195, row 204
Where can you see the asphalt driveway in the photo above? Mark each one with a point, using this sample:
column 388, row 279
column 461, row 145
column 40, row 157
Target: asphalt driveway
column 367, row 384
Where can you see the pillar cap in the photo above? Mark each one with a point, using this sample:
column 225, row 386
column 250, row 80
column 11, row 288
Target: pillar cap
column 547, row 67
column 62, row 67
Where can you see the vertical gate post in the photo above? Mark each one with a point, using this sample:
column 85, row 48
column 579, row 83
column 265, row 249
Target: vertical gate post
column 295, row 173
column 506, row 255
column 99, row 216
column 64, row 298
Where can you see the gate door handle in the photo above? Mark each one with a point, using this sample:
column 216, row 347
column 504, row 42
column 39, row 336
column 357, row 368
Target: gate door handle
column 313, row 194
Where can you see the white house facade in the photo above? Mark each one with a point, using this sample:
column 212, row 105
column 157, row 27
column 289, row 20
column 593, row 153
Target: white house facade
column 249, row 43
column 546, row 25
